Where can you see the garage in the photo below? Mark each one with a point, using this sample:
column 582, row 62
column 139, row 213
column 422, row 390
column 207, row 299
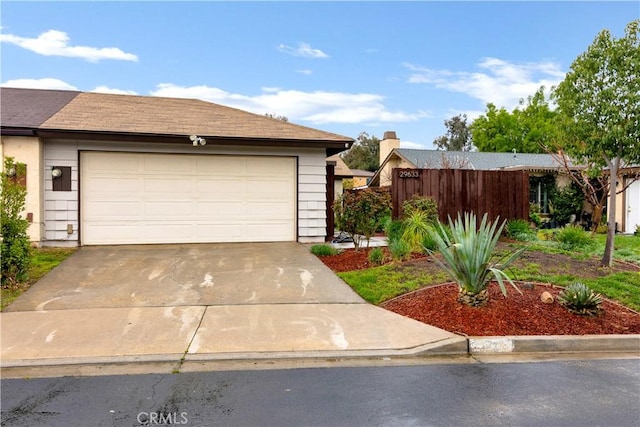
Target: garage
column 133, row 198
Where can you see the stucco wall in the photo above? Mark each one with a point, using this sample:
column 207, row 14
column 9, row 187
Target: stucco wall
column 61, row 208
column 28, row 150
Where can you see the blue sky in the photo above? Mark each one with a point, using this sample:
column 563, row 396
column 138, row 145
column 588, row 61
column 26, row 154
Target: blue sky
column 343, row 67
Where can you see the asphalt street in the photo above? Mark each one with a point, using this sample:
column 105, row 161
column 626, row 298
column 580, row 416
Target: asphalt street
column 559, row 393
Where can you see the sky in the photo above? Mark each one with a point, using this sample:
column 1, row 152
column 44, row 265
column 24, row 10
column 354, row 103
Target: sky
column 343, row 67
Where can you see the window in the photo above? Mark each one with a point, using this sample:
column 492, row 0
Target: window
column 540, row 188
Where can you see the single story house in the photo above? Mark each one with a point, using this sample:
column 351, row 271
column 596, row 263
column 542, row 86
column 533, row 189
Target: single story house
column 342, row 172
column 108, row 169
column 628, row 203
column 538, row 165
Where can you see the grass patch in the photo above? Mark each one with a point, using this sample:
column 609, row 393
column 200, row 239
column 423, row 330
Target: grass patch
column 379, row 284
column 43, row 261
column 323, row 250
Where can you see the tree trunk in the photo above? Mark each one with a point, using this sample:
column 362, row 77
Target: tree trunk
column 607, row 257
column 596, row 216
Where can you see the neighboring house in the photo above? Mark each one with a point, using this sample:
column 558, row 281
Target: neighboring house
column 121, row 169
column 628, row 202
column 538, row 165
column 342, row 172
column 361, row 177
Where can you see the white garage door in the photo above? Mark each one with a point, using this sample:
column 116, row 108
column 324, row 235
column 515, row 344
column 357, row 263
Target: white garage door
column 130, row 198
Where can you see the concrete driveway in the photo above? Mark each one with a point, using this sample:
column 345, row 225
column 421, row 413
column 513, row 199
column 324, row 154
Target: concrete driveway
column 186, row 275
column 203, row 302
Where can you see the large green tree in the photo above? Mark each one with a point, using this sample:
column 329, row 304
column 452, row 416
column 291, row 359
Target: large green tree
column 599, row 110
column 458, row 137
column 364, row 153
column 526, row 129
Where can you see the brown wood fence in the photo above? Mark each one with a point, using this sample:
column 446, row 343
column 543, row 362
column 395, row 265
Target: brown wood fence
column 498, row 193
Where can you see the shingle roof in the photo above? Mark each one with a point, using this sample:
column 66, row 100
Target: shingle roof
column 341, row 168
column 174, row 116
column 29, row 108
column 477, row 160
column 150, row 115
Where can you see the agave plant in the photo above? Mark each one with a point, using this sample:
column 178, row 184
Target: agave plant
column 467, row 253
column 580, row 299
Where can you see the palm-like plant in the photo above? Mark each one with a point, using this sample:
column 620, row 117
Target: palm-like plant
column 467, row 254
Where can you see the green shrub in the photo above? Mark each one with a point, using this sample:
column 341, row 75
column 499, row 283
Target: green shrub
column 393, row 229
column 519, row 229
column 567, row 201
column 429, row 244
column 415, row 229
column 572, row 237
column 427, row 205
column 468, row 256
column 15, row 252
column 376, row 256
column 602, row 229
column 323, row 250
column 580, row 299
column 360, row 213
column 399, row 249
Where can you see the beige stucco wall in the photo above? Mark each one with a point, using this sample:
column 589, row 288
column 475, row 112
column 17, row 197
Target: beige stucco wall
column 394, row 162
column 29, row 150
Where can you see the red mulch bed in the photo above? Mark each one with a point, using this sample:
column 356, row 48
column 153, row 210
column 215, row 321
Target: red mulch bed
column 516, row 314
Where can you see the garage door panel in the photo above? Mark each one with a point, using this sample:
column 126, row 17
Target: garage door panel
column 222, row 186
column 164, row 185
column 180, row 210
column 225, row 209
column 108, row 184
column 112, row 209
column 157, row 198
column 170, row 165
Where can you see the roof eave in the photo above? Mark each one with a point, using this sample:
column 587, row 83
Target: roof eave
column 177, row 139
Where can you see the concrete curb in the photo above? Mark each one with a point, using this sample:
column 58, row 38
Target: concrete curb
column 554, row 344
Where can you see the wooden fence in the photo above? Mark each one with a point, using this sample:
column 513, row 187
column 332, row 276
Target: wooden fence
column 498, row 193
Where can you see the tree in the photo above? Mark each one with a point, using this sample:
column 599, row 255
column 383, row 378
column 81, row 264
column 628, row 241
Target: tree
column 359, row 213
column 526, row 129
column 277, row 117
column 364, row 153
column 599, row 111
column 458, row 137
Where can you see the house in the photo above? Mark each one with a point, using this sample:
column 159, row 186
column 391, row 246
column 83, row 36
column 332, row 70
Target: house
column 538, row 165
column 342, row 172
column 628, row 202
column 122, row 169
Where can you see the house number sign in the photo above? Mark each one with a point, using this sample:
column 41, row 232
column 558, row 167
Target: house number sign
column 409, row 174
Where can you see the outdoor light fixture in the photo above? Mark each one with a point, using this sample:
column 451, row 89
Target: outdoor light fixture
column 56, row 172
column 11, row 172
column 196, row 140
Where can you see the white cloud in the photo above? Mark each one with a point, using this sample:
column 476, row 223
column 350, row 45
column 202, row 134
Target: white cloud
column 500, row 82
column 56, row 43
column 305, row 72
column 304, row 50
column 46, row 83
column 314, row 107
column 105, row 89
column 414, row 145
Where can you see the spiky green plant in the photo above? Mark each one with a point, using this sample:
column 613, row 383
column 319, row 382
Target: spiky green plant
column 580, row 299
column 415, row 229
column 467, row 254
